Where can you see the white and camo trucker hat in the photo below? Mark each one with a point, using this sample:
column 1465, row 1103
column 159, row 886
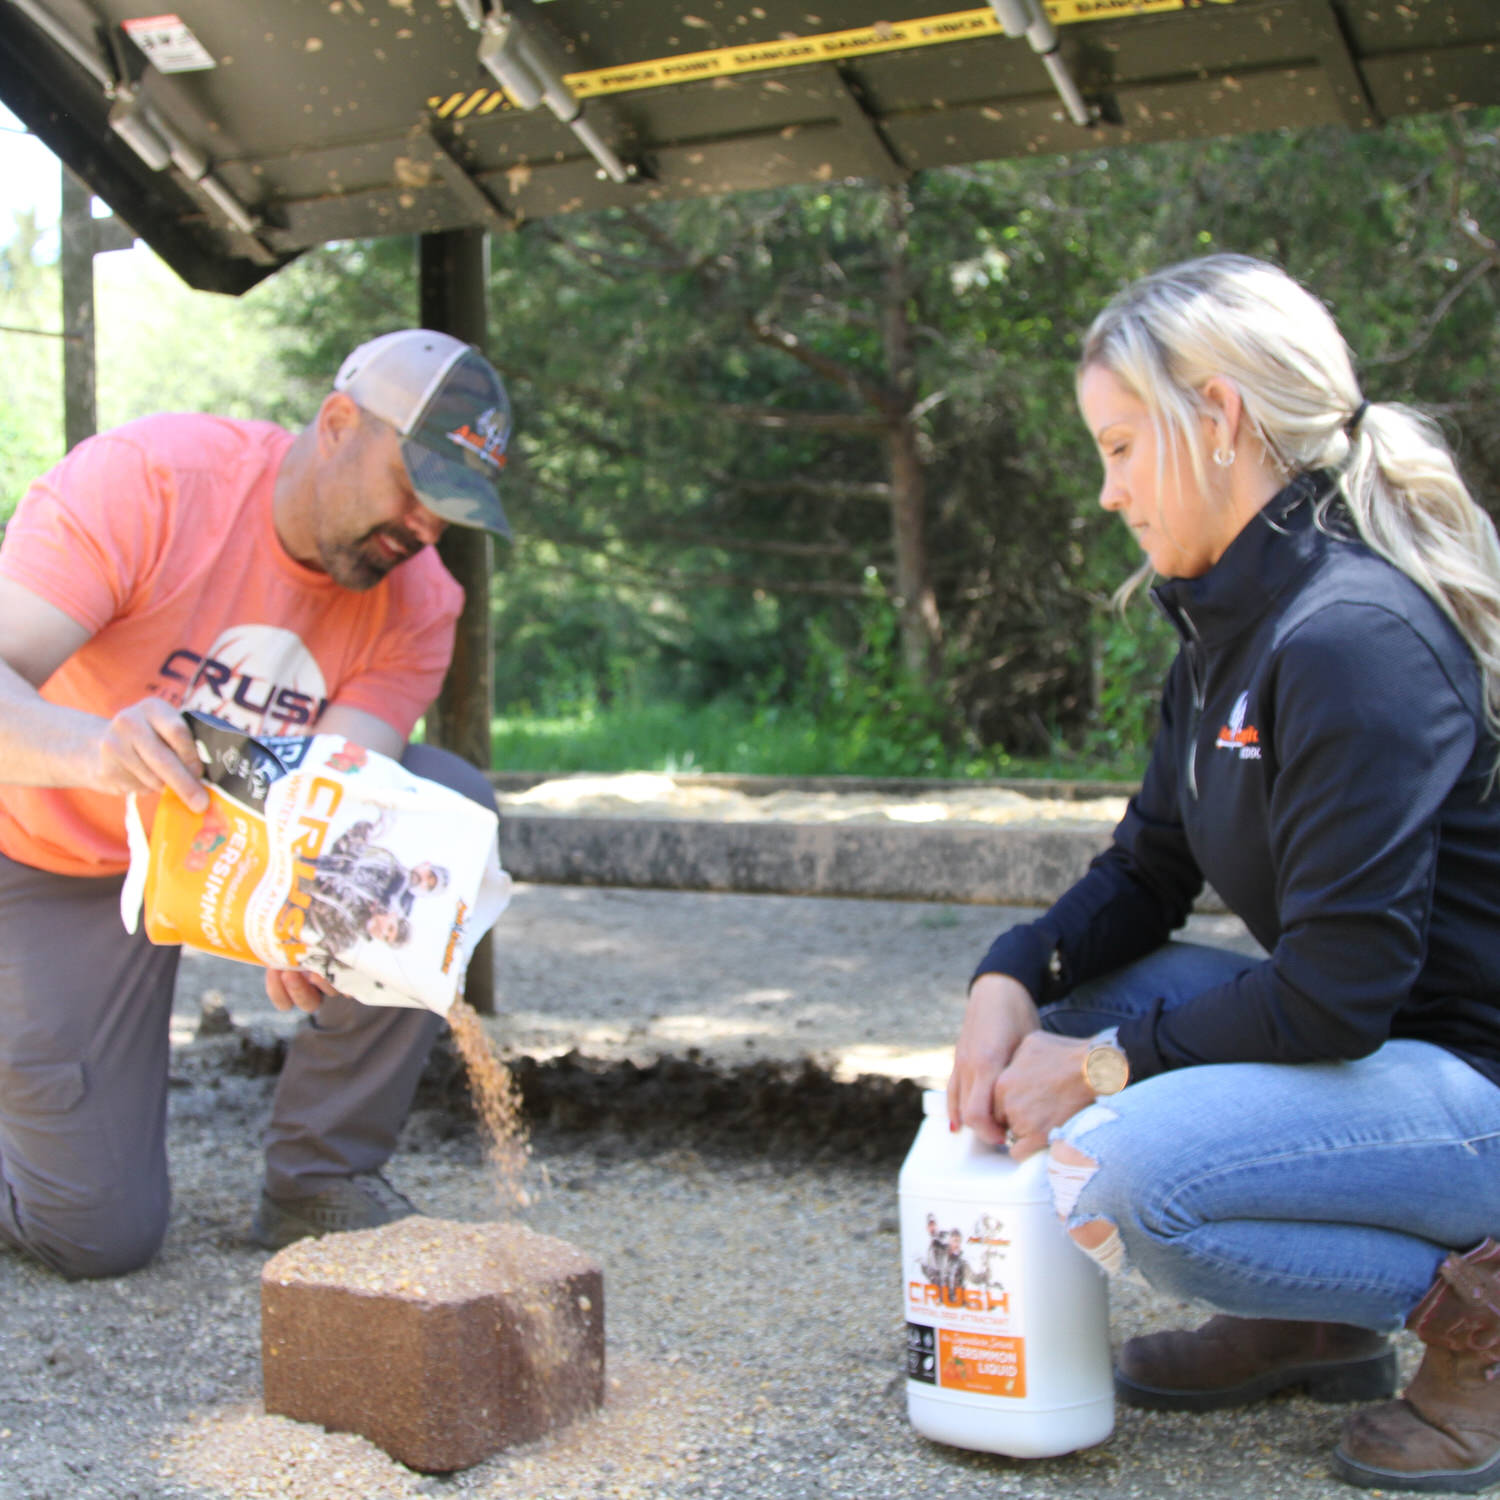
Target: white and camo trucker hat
column 445, row 399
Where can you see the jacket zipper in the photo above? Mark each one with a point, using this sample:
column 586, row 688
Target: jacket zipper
column 1192, row 645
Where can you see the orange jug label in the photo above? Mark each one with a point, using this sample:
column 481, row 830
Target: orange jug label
column 986, row 1363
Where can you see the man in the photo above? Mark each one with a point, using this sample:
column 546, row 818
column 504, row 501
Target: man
column 935, row 1265
column 285, row 584
column 339, row 928
column 339, row 933
column 360, row 890
column 956, row 1270
column 357, row 876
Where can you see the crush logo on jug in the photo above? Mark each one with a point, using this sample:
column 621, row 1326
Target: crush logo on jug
column 259, row 678
column 959, row 1272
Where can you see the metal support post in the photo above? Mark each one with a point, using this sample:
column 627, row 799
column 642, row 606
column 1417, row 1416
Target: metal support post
column 80, row 409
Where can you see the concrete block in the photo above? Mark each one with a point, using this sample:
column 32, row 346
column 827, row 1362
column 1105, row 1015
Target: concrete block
column 440, row 1342
column 961, row 864
column 1014, row 865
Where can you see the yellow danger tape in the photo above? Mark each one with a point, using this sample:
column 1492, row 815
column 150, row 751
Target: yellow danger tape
column 832, row 46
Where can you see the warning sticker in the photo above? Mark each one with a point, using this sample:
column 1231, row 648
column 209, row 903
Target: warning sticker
column 168, row 43
column 986, row 1363
column 827, row 47
column 838, row 46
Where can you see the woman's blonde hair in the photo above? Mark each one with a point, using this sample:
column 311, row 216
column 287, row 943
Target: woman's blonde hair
column 1166, row 336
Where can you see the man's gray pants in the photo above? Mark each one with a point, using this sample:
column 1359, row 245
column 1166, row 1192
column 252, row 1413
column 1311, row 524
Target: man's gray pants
column 84, row 1052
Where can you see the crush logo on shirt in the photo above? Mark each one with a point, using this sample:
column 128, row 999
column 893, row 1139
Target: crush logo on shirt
column 1237, row 734
column 259, row 678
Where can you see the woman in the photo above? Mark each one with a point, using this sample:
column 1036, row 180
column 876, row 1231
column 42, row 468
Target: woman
column 1309, row 1141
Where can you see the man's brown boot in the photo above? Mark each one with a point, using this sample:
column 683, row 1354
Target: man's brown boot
column 1230, row 1361
column 1444, row 1433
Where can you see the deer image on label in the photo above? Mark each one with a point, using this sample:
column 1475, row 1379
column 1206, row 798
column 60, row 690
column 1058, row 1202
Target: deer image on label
column 1007, row 1320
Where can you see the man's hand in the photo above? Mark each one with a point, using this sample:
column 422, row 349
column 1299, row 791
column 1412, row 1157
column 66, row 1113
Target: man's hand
column 1001, row 1013
column 289, row 989
column 142, row 749
column 148, row 747
column 1043, row 1086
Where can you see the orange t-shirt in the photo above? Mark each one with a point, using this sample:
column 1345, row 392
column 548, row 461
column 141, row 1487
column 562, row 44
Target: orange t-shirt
column 158, row 538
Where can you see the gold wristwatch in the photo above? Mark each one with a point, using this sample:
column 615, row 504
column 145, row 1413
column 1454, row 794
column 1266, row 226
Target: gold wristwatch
column 1106, row 1069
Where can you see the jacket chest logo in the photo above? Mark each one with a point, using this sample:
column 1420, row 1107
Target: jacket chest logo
column 1237, row 734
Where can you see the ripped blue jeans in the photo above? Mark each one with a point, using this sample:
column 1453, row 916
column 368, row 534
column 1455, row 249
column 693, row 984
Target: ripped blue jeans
column 1279, row 1190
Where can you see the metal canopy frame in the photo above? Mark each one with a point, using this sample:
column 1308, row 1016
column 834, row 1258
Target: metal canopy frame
column 297, row 122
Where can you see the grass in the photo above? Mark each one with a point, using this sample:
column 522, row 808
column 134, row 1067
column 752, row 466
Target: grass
column 718, row 736
column 727, row 736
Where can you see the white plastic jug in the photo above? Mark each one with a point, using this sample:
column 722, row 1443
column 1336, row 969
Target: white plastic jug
column 1007, row 1320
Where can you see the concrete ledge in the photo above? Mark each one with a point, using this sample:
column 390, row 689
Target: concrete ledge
column 885, row 786
column 1004, row 866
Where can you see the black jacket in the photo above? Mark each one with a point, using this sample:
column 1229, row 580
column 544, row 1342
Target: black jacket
column 1322, row 762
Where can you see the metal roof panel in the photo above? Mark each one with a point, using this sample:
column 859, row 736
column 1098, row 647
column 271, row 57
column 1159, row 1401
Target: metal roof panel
column 325, row 119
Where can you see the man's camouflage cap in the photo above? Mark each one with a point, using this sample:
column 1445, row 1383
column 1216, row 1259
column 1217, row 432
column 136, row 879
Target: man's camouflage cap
column 445, row 399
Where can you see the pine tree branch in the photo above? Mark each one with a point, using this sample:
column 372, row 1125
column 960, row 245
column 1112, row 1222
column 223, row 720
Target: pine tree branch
column 673, row 581
column 877, row 491
column 784, row 341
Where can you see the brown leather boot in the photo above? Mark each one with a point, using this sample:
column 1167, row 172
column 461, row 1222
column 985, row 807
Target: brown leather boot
column 1444, row 1433
column 1231, row 1361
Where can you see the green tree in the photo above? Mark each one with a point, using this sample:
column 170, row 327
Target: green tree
column 161, row 346
column 722, row 405
column 31, row 426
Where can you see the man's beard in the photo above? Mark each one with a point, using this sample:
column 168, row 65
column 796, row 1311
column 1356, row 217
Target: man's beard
column 364, row 562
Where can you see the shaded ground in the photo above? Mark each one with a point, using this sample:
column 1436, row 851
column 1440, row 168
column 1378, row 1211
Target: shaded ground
column 741, row 1199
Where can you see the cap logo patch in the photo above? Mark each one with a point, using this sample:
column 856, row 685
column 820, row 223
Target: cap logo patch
column 485, row 436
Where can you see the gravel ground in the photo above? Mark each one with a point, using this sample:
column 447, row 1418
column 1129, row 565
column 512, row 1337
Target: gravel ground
column 752, row 1280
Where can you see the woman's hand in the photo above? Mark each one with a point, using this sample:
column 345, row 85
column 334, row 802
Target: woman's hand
column 1001, row 1013
column 1043, row 1086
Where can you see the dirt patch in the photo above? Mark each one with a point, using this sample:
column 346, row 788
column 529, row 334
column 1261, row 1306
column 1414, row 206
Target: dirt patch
column 793, row 1110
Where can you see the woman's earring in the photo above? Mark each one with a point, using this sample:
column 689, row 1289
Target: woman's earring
column 1224, row 457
